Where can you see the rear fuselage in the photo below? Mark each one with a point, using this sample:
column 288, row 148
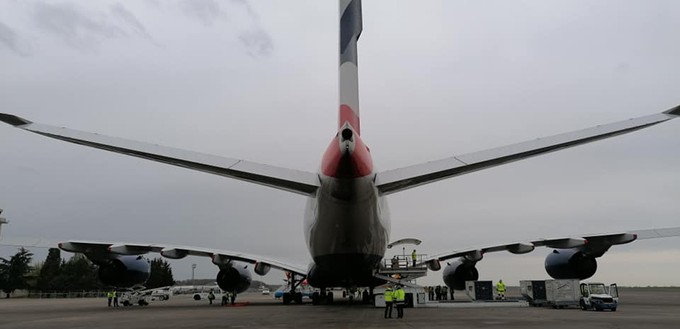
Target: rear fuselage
column 347, row 223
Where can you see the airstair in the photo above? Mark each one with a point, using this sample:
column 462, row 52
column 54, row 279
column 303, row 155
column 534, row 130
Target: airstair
column 401, row 268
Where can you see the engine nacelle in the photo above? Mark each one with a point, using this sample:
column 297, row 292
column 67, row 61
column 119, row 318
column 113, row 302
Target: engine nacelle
column 456, row 273
column 124, row 271
column 262, row 268
column 235, row 278
column 570, row 264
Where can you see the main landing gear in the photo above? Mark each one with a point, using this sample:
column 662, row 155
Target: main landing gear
column 322, row 297
column 292, row 295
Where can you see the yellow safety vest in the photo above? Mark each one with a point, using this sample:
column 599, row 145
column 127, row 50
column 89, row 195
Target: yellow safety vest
column 399, row 295
column 500, row 286
column 389, row 295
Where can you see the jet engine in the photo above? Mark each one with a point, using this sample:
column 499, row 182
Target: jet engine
column 570, row 264
column 234, row 278
column 124, row 271
column 456, row 273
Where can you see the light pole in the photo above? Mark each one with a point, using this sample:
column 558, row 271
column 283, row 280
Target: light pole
column 193, row 269
column 2, row 221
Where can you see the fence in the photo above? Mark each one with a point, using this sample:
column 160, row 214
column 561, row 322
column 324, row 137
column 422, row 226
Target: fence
column 54, row 294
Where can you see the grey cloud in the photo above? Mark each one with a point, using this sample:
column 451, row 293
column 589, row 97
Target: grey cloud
column 207, row 11
column 247, row 6
column 257, row 42
column 10, row 39
column 121, row 12
column 72, row 25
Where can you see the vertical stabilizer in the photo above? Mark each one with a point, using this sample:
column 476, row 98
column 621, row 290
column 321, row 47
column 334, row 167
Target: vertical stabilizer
column 350, row 30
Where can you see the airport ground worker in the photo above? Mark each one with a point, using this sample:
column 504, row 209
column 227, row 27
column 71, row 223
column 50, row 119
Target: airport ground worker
column 109, row 296
column 211, row 297
column 500, row 287
column 389, row 299
column 115, row 298
column 400, row 300
column 414, row 257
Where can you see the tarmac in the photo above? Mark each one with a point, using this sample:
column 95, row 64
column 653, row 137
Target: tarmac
column 638, row 308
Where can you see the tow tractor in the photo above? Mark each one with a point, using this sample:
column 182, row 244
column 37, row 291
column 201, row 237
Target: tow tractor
column 135, row 297
column 595, row 296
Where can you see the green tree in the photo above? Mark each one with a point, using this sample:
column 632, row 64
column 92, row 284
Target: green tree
column 13, row 271
column 78, row 273
column 50, row 270
column 161, row 274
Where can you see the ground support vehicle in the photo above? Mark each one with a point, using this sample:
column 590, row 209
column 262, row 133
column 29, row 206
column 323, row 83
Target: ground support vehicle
column 533, row 291
column 595, row 296
column 562, row 293
column 135, row 297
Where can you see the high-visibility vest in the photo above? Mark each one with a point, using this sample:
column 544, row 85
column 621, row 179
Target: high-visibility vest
column 389, row 295
column 399, row 295
column 500, row 286
column 414, row 256
column 109, row 294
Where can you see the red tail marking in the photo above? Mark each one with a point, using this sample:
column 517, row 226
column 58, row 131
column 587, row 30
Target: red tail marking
column 346, row 114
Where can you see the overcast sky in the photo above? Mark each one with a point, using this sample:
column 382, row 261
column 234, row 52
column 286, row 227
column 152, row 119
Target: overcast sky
column 257, row 80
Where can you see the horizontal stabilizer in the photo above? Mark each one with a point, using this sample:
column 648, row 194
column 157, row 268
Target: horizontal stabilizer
column 300, row 182
column 396, row 180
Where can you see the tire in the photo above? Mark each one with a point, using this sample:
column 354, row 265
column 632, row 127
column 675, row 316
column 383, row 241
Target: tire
column 329, row 298
column 197, row 297
column 614, row 309
column 298, row 298
column 316, row 298
column 287, row 298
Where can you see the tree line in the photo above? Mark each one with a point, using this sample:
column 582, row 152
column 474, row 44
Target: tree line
column 60, row 275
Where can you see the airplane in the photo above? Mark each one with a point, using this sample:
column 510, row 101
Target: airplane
column 346, row 219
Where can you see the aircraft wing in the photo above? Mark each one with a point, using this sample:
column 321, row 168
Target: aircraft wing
column 594, row 244
column 396, row 180
column 301, row 182
column 219, row 257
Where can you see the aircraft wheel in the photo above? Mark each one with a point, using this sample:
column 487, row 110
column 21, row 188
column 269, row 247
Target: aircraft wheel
column 298, row 298
column 316, row 298
column 287, row 298
column 329, row 298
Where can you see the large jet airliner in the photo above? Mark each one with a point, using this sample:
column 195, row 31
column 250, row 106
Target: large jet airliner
column 346, row 220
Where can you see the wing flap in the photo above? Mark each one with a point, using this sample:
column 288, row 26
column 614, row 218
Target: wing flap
column 595, row 243
column 296, row 181
column 218, row 257
column 396, row 180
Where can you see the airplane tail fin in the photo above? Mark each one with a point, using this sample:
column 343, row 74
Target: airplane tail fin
column 350, row 30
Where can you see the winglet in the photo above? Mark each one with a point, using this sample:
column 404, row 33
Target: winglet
column 13, row 120
column 674, row 111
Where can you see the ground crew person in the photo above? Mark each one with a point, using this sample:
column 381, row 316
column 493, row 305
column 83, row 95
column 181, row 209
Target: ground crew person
column 414, row 257
column 109, row 295
column 500, row 287
column 211, row 297
column 400, row 299
column 389, row 297
column 115, row 298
